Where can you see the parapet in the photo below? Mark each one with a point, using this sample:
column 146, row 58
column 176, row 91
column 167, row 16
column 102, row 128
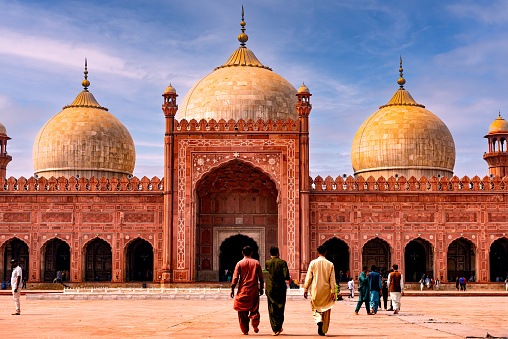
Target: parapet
column 402, row 184
column 237, row 126
column 74, row 184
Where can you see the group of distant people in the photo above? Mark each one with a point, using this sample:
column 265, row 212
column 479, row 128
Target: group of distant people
column 429, row 282
column 461, row 282
column 320, row 280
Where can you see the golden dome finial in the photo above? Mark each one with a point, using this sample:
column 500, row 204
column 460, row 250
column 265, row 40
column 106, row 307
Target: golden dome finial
column 243, row 37
column 401, row 80
column 500, row 113
column 85, row 82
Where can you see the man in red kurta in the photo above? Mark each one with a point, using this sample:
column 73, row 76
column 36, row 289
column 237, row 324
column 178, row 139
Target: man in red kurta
column 247, row 274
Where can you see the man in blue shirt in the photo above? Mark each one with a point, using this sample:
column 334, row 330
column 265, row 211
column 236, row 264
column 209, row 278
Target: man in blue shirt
column 375, row 288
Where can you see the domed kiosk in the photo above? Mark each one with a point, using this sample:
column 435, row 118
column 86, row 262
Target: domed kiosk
column 84, row 139
column 497, row 157
column 242, row 88
column 403, row 138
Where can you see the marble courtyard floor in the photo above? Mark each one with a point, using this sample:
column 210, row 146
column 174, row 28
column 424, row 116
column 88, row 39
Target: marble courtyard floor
column 421, row 317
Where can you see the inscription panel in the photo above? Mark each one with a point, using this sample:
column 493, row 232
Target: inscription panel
column 139, row 218
column 418, row 217
column 56, row 217
column 498, row 216
column 333, row 217
column 97, row 217
column 377, row 217
column 461, row 217
column 17, row 217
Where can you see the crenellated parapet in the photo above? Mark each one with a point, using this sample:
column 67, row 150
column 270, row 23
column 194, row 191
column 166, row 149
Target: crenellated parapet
column 400, row 184
column 74, row 184
column 204, row 126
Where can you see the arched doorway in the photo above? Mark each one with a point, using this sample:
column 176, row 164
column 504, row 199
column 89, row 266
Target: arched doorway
column 234, row 198
column 231, row 253
column 17, row 249
column 418, row 260
column 461, row 259
column 337, row 251
column 56, row 257
column 499, row 260
column 98, row 261
column 376, row 252
column 139, row 261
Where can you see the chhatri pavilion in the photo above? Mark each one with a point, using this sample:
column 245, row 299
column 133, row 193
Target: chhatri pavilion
column 236, row 173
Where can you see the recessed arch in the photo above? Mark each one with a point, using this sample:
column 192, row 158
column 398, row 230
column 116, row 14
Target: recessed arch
column 418, row 259
column 337, row 251
column 139, row 260
column 14, row 248
column 233, row 198
column 498, row 260
column 461, row 259
column 377, row 252
column 55, row 256
column 98, row 260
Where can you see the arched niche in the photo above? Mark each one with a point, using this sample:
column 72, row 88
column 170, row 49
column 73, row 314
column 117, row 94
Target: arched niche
column 376, row 252
column 18, row 249
column 461, row 259
column 55, row 256
column 337, row 251
column 418, row 260
column 139, row 261
column 233, row 198
column 98, row 261
column 499, row 260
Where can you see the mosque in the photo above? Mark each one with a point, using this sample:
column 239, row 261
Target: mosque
column 236, row 173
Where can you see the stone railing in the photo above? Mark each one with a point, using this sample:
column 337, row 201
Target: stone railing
column 73, row 184
column 235, row 126
column 412, row 184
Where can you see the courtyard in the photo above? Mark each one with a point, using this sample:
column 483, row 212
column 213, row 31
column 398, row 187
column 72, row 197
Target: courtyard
column 421, row 316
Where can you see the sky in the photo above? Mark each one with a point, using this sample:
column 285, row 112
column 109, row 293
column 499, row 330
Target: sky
column 347, row 52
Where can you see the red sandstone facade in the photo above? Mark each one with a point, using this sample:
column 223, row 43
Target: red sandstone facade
column 228, row 182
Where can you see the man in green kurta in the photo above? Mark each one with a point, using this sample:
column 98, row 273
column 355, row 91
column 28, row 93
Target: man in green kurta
column 364, row 291
column 278, row 274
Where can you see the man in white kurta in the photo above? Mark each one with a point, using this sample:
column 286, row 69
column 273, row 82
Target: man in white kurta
column 321, row 281
column 16, row 278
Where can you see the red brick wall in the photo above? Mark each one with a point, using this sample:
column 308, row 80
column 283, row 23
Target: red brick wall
column 38, row 210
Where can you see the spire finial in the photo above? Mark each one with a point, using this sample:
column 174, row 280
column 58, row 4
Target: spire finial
column 243, row 37
column 85, row 82
column 500, row 113
column 401, row 80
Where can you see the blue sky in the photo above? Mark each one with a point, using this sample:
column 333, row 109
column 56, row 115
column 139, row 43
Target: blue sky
column 347, row 52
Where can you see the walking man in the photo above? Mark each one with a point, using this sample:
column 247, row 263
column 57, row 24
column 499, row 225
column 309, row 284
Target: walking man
column 363, row 291
column 278, row 274
column 247, row 274
column 375, row 288
column 396, row 288
column 16, row 277
column 321, row 276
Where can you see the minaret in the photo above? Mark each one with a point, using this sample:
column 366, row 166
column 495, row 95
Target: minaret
column 497, row 157
column 169, row 108
column 4, row 157
column 303, row 107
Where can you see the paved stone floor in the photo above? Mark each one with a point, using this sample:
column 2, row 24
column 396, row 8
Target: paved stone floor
column 421, row 317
